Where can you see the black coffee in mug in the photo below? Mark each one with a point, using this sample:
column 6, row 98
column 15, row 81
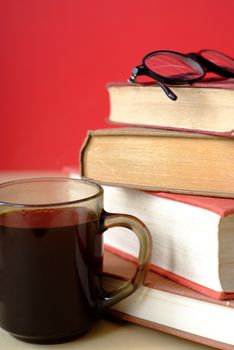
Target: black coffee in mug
column 51, row 257
column 51, row 271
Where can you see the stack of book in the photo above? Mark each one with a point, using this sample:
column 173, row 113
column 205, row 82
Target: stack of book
column 171, row 165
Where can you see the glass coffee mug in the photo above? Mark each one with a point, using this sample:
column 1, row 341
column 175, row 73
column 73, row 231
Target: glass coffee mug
column 51, row 257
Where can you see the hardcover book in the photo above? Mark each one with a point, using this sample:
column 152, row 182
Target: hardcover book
column 169, row 307
column 160, row 160
column 193, row 237
column 202, row 107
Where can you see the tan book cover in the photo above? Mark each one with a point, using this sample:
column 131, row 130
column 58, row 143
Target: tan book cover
column 158, row 160
column 202, row 107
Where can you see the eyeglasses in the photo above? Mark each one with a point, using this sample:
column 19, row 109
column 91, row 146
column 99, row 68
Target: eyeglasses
column 174, row 68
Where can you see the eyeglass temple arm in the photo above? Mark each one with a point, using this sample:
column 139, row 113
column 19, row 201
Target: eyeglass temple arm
column 140, row 70
column 167, row 91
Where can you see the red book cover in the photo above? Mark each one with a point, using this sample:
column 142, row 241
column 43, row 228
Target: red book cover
column 220, row 206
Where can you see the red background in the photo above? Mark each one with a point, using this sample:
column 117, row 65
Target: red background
column 57, row 56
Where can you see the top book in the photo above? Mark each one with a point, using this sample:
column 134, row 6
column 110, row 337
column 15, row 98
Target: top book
column 203, row 107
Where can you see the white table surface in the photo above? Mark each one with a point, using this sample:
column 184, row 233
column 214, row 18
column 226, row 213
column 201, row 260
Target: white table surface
column 108, row 333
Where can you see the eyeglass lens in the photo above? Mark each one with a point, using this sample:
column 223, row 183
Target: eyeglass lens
column 219, row 59
column 174, row 66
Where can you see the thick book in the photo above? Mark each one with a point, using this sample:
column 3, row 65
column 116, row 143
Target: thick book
column 160, row 160
column 202, row 107
column 166, row 306
column 193, row 237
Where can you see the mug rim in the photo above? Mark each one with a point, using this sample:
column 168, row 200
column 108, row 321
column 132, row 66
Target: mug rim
column 54, row 178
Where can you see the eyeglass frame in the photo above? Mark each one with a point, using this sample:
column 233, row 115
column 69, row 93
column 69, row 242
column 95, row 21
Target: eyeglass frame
column 197, row 59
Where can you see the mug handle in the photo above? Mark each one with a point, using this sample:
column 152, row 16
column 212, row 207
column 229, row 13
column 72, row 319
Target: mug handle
column 109, row 220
